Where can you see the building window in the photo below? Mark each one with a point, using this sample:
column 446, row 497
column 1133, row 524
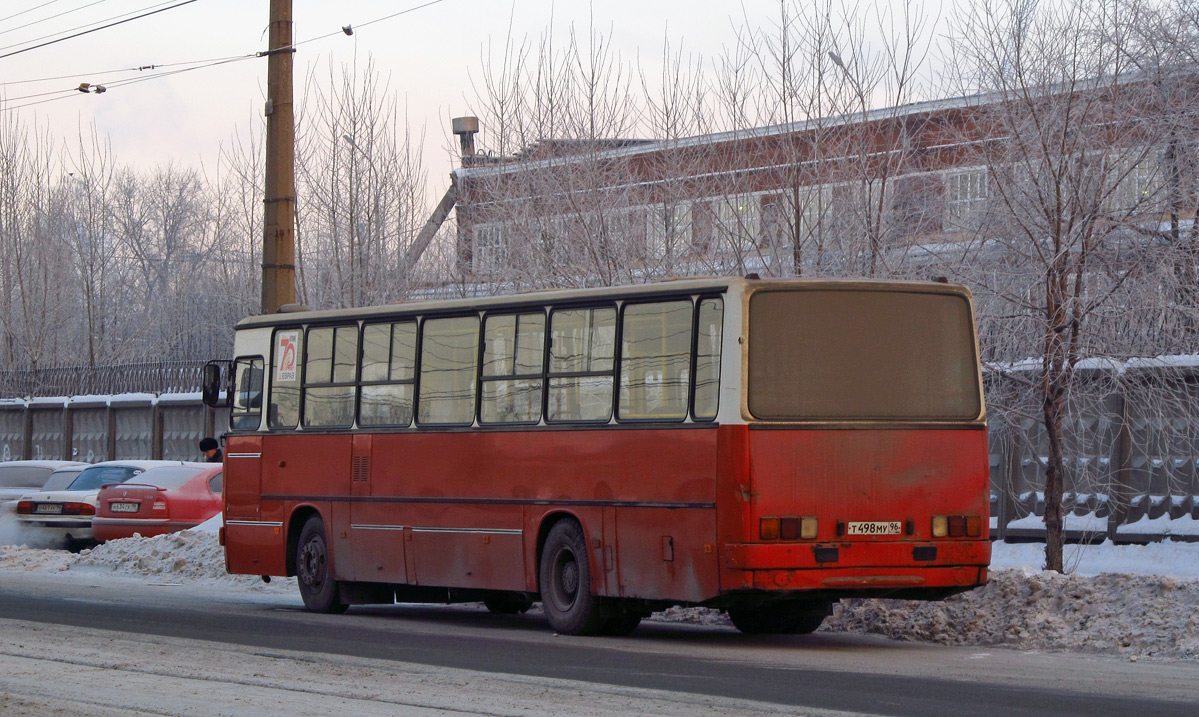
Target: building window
column 966, row 196
column 490, row 248
column 813, row 204
column 668, row 230
column 738, row 217
column 1141, row 181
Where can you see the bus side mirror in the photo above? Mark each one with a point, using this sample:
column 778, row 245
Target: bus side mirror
column 213, row 383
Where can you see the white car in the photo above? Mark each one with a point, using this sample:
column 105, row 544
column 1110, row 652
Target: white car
column 19, row 477
column 62, row 515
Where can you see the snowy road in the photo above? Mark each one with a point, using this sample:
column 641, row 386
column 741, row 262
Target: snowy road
column 208, row 649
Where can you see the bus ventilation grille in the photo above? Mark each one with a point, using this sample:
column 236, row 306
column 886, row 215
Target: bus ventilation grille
column 361, row 469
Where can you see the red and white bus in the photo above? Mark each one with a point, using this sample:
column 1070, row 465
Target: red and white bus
column 758, row 446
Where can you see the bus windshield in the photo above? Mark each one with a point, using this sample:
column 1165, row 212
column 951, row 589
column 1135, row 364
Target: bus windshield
column 851, row 354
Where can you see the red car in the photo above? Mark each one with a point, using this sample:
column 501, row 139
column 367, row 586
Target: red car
column 161, row 500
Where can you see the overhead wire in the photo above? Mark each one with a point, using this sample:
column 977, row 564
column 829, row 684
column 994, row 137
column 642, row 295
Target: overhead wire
column 74, row 91
column 23, row 12
column 96, row 29
column 364, row 24
column 142, row 68
column 54, row 17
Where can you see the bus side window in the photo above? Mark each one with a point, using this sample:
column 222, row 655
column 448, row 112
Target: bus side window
column 707, row 358
column 513, row 355
column 330, row 367
column 655, row 360
column 283, row 410
column 582, row 347
column 246, row 413
column 449, row 361
column 388, row 374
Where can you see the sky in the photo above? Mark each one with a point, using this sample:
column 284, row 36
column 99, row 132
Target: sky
column 430, row 55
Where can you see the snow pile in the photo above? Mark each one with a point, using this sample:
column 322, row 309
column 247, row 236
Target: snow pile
column 1134, row 615
column 187, row 555
column 22, row 557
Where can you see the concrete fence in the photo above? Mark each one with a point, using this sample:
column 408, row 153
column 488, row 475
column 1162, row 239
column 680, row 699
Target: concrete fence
column 1131, row 453
column 99, row 428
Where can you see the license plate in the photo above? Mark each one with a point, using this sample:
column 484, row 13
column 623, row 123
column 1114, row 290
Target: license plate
column 123, row 507
column 875, row 527
column 48, row 508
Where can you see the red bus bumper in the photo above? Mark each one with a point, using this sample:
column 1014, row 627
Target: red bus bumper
column 856, row 566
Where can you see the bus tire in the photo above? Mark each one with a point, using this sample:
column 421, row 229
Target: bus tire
column 317, row 586
column 779, row 618
column 570, row 605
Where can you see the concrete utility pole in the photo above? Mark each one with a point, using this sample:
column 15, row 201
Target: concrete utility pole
column 278, row 239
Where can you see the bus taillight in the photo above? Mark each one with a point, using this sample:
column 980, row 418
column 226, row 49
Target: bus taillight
column 787, row 528
column 957, row 526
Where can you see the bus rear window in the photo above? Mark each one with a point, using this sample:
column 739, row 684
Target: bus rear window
column 853, row 354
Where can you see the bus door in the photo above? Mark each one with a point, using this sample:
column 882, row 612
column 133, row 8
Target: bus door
column 376, row 536
column 242, row 490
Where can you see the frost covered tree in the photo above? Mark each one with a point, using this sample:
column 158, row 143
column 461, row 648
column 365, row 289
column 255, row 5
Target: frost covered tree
column 361, row 181
column 1072, row 144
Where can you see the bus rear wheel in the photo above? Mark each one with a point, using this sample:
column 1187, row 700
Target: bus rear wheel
column 566, row 596
column 778, row 618
column 317, row 586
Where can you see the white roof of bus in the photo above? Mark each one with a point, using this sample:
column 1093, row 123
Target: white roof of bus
column 551, row 296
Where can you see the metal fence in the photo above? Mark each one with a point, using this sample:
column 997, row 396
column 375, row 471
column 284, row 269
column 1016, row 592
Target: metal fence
column 157, row 377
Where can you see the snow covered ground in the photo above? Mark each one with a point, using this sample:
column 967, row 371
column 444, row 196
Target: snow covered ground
column 1133, row 601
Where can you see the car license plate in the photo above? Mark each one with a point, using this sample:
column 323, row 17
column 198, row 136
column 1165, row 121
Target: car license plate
column 123, row 507
column 48, row 508
column 875, row 527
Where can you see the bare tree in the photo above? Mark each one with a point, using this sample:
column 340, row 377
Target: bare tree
column 1070, row 146
column 91, row 238
column 362, row 180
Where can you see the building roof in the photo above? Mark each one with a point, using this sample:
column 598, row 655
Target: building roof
column 641, row 147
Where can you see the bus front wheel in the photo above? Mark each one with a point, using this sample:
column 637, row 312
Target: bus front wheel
column 566, row 595
column 317, row 586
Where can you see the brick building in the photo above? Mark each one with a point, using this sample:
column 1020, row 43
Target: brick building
column 869, row 193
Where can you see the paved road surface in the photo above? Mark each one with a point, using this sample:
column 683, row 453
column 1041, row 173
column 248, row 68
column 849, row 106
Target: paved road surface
column 461, row 658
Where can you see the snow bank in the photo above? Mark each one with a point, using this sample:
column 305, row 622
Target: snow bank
column 1130, row 615
column 1132, row 600
column 188, row 555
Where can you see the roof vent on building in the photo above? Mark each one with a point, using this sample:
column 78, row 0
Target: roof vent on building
column 466, row 128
